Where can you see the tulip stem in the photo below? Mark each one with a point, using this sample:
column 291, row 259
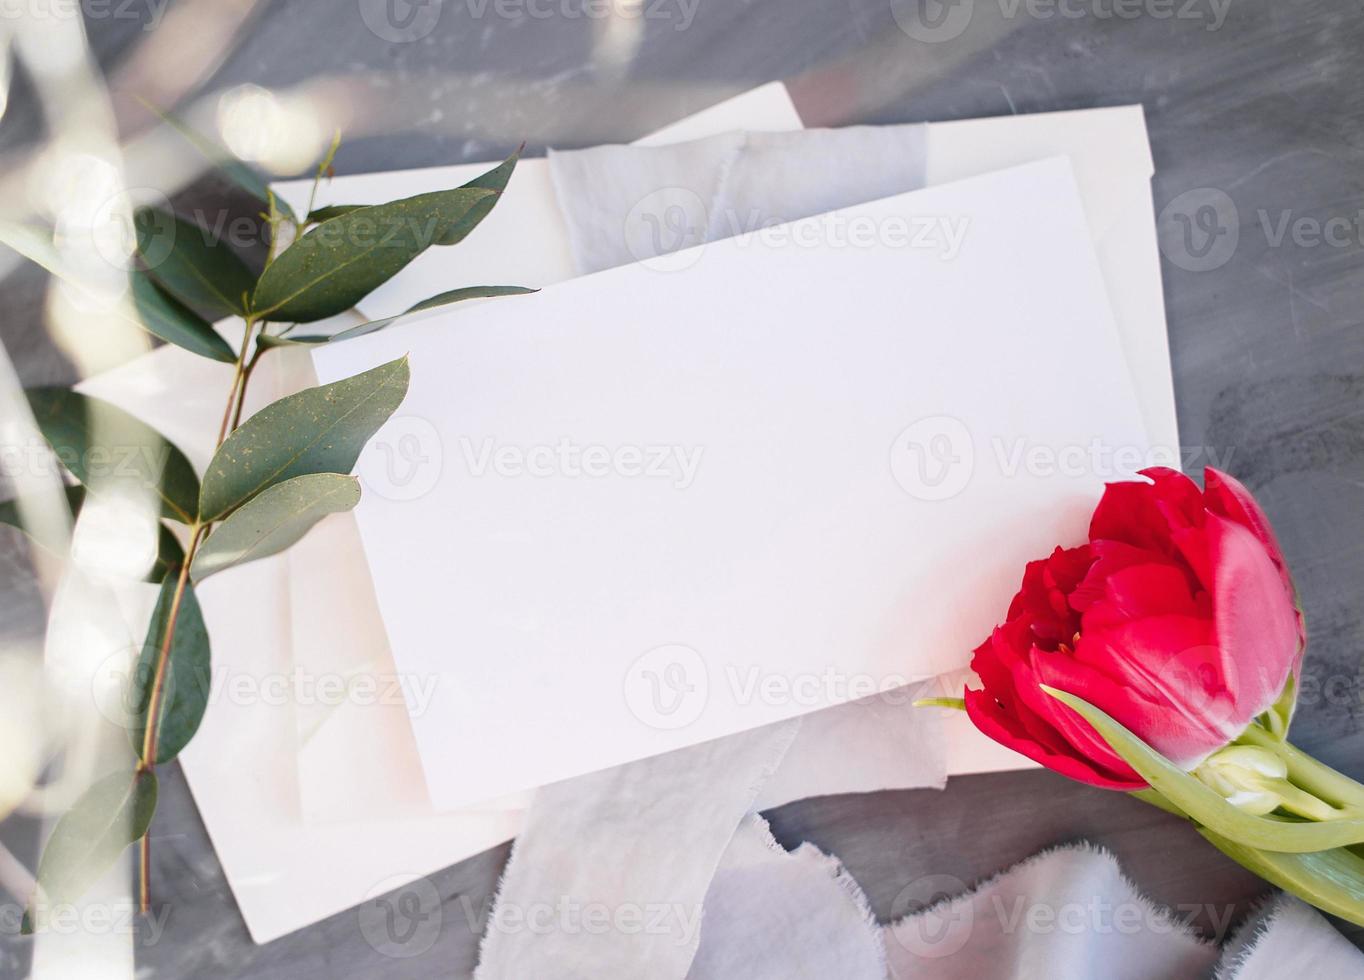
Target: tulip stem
column 1343, row 794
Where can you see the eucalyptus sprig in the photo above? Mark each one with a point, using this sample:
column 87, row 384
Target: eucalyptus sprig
column 271, row 477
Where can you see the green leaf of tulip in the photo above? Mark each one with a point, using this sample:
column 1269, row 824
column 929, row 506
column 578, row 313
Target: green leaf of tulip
column 196, row 270
column 109, row 450
column 372, row 326
column 88, row 839
column 166, row 317
column 341, row 261
column 185, row 688
column 1332, row 880
column 1205, row 805
column 318, row 430
column 273, row 520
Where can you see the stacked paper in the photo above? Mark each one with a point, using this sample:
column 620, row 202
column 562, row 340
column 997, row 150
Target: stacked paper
column 503, row 639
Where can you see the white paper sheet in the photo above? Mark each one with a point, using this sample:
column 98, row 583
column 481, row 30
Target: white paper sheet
column 777, row 391
column 357, row 761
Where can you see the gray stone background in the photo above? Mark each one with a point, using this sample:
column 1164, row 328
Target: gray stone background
column 1254, row 111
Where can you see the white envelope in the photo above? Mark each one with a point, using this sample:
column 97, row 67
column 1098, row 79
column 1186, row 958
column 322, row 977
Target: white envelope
column 358, row 762
column 546, row 584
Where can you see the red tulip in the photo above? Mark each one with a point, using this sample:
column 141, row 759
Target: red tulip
column 1178, row 619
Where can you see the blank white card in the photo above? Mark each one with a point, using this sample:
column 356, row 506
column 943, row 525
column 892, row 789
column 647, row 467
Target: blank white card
column 776, row 473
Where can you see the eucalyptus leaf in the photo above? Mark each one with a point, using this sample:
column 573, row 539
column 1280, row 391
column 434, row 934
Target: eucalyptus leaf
column 1204, row 805
column 317, row 430
column 273, row 520
column 11, row 514
column 34, row 244
column 202, row 273
column 166, row 317
column 222, row 159
column 113, row 813
column 494, row 180
column 338, row 263
column 187, row 679
column 318, row 215
column 107, row 449
column 371, row 326
column 170, row 555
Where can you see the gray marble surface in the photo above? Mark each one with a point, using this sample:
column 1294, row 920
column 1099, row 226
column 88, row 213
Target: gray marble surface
column 1258, row 134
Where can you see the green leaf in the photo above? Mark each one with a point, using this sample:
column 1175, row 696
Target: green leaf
column 319, row 215
column 273, row 520
column 1332, row 880
column 188, row 676
column 108, row 450
column 35, row 244
column 200, row 272
column 318, row 430
column 88, row 839
column 494, row 180
column 169, row 553
column 1205, row 805
column 359, row 330
column 10, row 514
column 166, row 317
column 221, row 158
column 341, row 261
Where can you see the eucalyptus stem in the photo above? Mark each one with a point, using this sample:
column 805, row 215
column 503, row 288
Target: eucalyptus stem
column 231, row 418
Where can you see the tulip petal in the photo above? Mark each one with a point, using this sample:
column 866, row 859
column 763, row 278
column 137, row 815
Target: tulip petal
column 1139, row 591
column 1166, row 679
column 1177, row 733
column 1045, row 668
column 1109, row 557
column 1227, row 497
column 1256, row 621
column 986, row 715
column 1135, row 512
